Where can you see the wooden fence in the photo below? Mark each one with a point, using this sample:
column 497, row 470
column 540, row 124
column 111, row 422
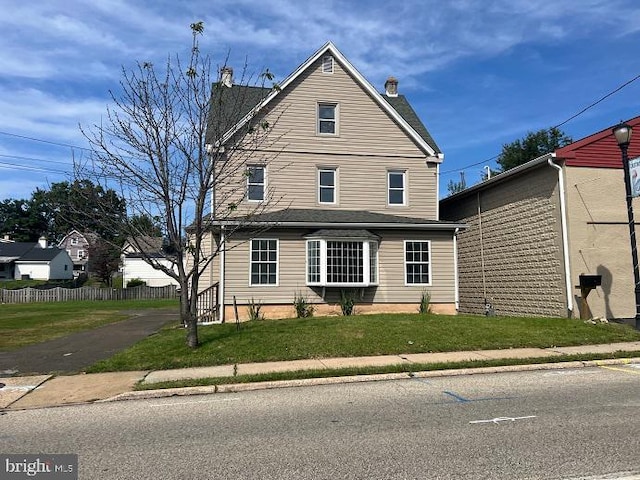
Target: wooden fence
column 58, row 294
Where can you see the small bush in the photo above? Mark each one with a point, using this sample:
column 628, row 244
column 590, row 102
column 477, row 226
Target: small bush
column 136, row 282
column 254, row 310
column 303, row 308
column 425, row 302
column 347, row 302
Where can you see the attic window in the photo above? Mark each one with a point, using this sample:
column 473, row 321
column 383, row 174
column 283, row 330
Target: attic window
column 327, row 64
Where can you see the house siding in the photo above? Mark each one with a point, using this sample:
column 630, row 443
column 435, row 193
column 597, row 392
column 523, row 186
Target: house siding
column 368, row 144
column 599, row 237
column 518, row 234
column 292, row 271
column 137, row 268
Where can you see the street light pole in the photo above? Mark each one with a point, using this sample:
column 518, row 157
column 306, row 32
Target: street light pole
column 622, row 133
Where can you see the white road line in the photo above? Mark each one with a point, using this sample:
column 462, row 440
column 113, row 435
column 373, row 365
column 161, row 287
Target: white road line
column 17, row 388
column 503, row 419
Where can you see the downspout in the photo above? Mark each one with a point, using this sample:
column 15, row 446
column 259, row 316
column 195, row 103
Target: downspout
column 437, row 191
column 221, row 286
column 484, row 280
column 455, row 269
column 565, row 236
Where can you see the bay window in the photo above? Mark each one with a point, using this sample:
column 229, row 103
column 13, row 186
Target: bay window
column 342, row 262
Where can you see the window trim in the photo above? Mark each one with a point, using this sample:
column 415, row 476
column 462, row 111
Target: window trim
column 277, row 262
column 264, row 182
column 366, row 262
column 334, row 120
column 334, row 170
column 395, row 189
column 429, row 264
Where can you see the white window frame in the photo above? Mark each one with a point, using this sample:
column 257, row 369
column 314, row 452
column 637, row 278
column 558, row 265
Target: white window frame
column 369, row 258
column 428, row 263
column 327, row 64
column 252, row 262
column 74, row 241
column 250, row 184
column 396, row 189
column 320, row 120
column 333, row 187
column 81, row 254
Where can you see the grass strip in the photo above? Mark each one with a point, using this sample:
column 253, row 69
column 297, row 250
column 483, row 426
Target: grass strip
column 374, row 370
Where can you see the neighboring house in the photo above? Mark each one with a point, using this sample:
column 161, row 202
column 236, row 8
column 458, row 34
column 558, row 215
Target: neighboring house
column 34, row 261
column 77, row 246
column 133, row 265
column 535, row 229
column 358, row 172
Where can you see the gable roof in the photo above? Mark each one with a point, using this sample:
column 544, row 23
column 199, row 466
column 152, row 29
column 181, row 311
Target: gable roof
column 396, row 107
column 88, row 237
column 144, row 244
column 27, row 252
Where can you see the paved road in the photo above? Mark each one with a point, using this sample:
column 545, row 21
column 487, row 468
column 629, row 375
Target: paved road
column 568, row 424
column 75, row 352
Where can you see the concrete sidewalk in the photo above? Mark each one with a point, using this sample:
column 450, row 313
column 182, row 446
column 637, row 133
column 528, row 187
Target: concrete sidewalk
column 46, row 390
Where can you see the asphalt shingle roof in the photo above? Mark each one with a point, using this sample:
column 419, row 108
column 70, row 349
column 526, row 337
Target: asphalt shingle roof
column 27, row 251
column 402, row 106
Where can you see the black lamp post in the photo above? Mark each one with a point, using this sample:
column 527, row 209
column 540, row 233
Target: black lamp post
column 623, row 137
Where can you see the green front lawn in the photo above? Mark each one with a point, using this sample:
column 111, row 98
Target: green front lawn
column 325, row 337
column 28, row 323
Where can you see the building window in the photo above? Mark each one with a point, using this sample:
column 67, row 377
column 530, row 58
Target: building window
column 327, row 185
column 327, row 64
column 80, row 254
column 327, row 118
column 255, row 182
column 342, row 262
column 264, row 262
column 396, row 182
column 417, row 262
column 74, row 241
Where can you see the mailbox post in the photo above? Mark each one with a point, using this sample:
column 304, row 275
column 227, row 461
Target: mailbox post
column 587, row 283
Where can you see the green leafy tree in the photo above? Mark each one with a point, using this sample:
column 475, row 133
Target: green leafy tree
column 81, row 205
column 104, row 260
column 533, row 145
column 455, row 187
column 21, row 221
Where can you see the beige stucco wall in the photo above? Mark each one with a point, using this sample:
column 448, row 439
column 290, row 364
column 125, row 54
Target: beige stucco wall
column 518, row 234
column 599, row 238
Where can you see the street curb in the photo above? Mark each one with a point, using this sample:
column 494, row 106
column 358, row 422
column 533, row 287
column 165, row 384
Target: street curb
column 246, row 387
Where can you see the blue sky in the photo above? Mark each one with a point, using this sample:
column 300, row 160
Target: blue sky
column 479, row 73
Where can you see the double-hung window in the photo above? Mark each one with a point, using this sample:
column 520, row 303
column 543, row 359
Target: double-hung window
column 255, row 183
column 326, row 185
column 417, row 262
column 264, row 261
column 342, row 262
column 396, row 181
column 327, row 119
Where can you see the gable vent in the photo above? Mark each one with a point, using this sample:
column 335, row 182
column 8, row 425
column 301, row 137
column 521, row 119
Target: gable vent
column 327, row 64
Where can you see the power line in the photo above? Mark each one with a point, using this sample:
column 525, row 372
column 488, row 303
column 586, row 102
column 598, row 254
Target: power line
column 556, row 126
column 3, row 165
column 33, row 139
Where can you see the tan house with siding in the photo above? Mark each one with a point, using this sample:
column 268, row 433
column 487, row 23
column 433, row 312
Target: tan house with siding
column 349, row 203
column 534, row 230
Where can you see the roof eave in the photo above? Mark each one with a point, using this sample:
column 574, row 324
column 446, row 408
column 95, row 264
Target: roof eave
column 386, row 226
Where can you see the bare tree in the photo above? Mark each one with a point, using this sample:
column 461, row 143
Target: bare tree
column 169, row 141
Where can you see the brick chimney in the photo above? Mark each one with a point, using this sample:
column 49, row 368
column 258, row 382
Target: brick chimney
column 391, row 87
column 226, row 76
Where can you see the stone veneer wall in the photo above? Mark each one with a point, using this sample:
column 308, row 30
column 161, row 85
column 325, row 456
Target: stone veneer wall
column 521, row 236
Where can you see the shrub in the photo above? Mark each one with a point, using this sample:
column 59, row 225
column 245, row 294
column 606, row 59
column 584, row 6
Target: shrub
column 425, row 302
column 347, row 302
column 302, row 306
column 254, row 308
column 136, row 282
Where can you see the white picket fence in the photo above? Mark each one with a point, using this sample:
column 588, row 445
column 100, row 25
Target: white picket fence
column 58, row 294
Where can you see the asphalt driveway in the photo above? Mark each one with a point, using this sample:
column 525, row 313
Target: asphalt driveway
column 74, row 353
